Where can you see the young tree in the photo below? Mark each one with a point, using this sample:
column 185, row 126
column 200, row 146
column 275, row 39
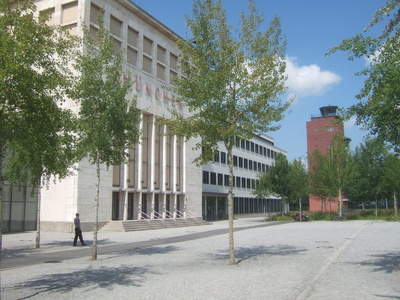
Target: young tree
column 392, row 178
column 287, row 180
column 107, row 119
column 276, row 180
column 340, row 166
column 369, row 159
column 320, row 178
column 232, row 83
column 36, row 140
column 331, row 174
column 298, row 182
column 379, row 98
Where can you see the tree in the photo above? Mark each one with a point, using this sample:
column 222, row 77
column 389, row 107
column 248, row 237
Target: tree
column 286, row 180
column 369, row 159
column 276, row 180
column 392, row 178
column 331, row 174
column 107, row 119
column 298, row 182
column 379, row 102
column 36, row 140
column 320, row 178
column 232, row 83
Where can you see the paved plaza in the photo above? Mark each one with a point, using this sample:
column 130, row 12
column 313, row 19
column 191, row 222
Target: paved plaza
column 308, row 260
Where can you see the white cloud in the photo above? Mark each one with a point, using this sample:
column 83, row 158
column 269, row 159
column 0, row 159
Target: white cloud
column 369, row 60
column 350, row 123
column 305, row 81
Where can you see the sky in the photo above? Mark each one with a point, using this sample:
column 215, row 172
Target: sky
column 311, row 27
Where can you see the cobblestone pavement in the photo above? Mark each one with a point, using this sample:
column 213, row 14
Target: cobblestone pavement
column 307, row 260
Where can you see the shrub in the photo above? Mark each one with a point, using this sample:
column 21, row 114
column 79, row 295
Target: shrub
column 320, row 215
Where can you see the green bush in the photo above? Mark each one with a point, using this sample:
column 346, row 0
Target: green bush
column 319, row 215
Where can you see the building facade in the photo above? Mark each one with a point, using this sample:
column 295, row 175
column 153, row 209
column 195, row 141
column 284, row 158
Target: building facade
column 160, row 180
column 250, row 158
column 320, row 131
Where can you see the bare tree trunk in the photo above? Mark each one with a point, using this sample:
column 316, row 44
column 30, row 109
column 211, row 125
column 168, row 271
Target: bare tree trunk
column 39, row 200
column 96, row 213
column 340, row 203
column 395, row 205
column 232, row 260
column 376, row 207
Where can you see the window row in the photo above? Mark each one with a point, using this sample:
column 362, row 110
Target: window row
column 256, row 205
column 241, row 162
column 223, row 180
column 154, row 58
column 255, row 148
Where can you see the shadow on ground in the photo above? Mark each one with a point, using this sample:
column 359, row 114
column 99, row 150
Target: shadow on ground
column 245, row 253
column 90, row 278
column 31, row 249
column 387, row 262
column 144, row 251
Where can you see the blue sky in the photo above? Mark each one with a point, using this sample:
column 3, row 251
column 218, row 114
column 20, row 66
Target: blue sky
column 312, row 27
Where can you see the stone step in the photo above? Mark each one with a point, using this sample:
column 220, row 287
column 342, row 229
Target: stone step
column 137, row 225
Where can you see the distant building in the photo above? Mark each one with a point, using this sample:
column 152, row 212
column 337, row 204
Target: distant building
column 320, row 131
column 250, row 158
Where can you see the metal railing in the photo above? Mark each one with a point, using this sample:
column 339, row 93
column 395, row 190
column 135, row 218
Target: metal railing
column 169, row 214
column 144, row 216
column 158, row 216
column 180, row 214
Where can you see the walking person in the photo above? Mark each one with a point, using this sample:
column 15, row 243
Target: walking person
column 78, row 231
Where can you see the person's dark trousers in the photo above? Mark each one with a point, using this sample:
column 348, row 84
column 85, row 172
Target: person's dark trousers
column 78, row 233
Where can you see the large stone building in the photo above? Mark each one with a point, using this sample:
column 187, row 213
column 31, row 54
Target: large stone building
column 160, row 180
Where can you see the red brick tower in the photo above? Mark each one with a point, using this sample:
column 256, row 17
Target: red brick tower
column 320, row 131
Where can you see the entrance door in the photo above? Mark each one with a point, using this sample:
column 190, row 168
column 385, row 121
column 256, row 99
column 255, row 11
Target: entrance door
column 144, row 205
column 157, row 204
column 168, row 205
column 115, row 206
column 222, row 208
column 131, row 199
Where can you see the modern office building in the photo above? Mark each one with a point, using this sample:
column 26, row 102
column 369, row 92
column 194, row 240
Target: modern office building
column 250, row 158
column 160, row 180
column 320, row 131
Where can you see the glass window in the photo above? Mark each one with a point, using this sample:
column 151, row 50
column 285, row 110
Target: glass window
column 133, row 37
column 132, row 56
column 226, row 180
column 147, row 64
column 213, row 178
column 223, row 157
column 70, row 12
column 115, row 26
column 173, row 61
column 147, row 45
column 216, row 157
column 94, row 13
column 220, row 179
column 161, row 54
column 206, row 179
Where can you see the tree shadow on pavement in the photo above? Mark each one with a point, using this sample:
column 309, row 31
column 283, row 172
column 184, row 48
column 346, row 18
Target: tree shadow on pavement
column 31, row 249
column 90, row 278
column 387, row 262
column 244, row 253
column 145, row 251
